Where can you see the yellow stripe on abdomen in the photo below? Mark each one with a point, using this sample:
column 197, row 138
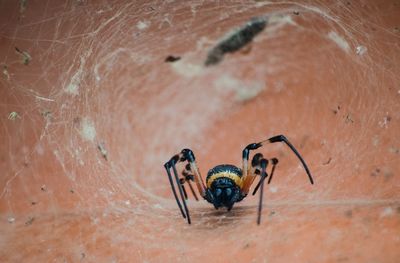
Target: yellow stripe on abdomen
column 233, row 176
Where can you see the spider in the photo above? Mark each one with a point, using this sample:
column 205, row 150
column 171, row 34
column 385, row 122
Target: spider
column 226, row 184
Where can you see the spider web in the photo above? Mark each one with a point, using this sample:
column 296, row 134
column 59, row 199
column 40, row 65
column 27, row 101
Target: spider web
column 90, row 113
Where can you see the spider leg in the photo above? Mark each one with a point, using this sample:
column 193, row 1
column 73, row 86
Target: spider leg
column 181, row 192
column 274, row 162
column 263, row 164
column 187, row 177
column 182, row 182
column 188, row 155
column 185, row 155
column 248, row 178
column 281, row 138
column 251, row 173
column 167, row 168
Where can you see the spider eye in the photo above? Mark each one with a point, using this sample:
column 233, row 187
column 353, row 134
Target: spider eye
column 228, row 191
column 218, row 192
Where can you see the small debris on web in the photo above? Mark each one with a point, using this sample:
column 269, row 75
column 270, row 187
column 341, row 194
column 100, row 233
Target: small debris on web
column 394, row 150
column 11, row 220
column 13, row 116
column 335, row 111
column 375, row 140
column 387, row 212
column 348, row 213
column 33, row 203
column 328, row 162
column 385, row 122
column 296, row 13
column 236, row 40
column 46, row 114
column 375, row 172
column 349, row 119
column 80, row 2
column 71, row 191
column 172, row 58
column 43, row 188
column 387, row 174
column 29, row 221
column 150, row 9
column 22, row 5
column 103, row 150
column 26, row 58
column 360, row 50
column 141, row 25
column 272, row 213
column 5, row 72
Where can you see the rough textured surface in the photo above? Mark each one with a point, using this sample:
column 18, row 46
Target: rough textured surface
column 90, row 111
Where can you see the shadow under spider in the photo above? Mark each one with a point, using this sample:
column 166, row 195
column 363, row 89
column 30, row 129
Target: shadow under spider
column 207, row 218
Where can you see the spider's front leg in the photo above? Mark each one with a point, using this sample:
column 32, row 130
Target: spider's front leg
column 259, row 167
column 248, row 177
column 191, row 170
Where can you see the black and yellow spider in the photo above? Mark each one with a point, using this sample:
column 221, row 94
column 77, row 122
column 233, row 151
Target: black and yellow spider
column 225, row 184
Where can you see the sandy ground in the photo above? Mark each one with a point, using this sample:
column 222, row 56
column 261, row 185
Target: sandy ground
column 90, row 111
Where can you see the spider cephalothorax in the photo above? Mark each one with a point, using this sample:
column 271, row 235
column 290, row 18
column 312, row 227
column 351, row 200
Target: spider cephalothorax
column 225, row 184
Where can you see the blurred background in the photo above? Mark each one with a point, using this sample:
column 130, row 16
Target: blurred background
column 95, row 96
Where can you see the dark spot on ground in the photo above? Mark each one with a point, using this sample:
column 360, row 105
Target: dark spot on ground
column 29, row 221
column 72, row 191
column 335, row 111
column 33, row 203
column 296, row 13
column 348, row 213
column 236, row 41
column 77, row 121
column 328, row 162
column 103, row 150
column 376, row 172
column 172, row 58
column 272, row 213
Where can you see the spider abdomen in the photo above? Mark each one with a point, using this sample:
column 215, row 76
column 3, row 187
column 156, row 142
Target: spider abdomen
column 224, row 170
column 225, row 182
